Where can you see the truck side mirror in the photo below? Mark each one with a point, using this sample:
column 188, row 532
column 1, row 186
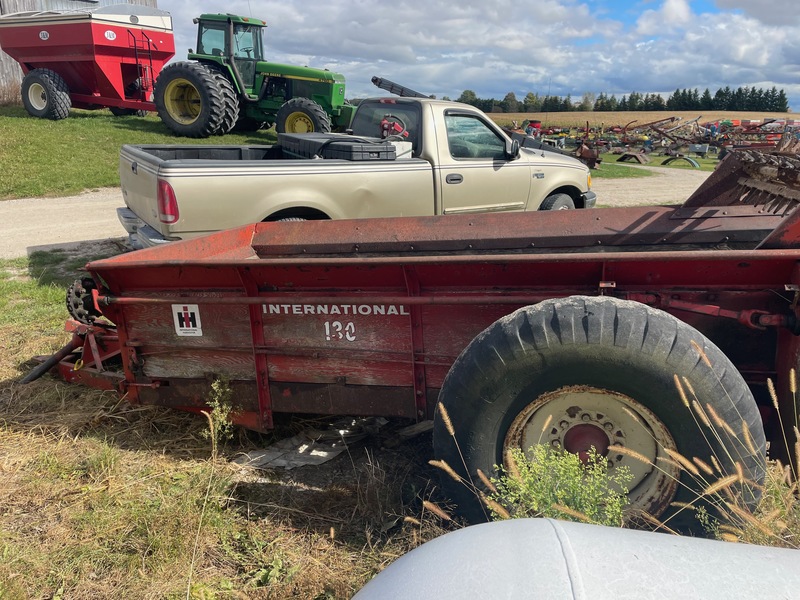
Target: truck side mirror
column 512, row 149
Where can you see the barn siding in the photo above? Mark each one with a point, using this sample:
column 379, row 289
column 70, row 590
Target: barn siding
column 10, row 72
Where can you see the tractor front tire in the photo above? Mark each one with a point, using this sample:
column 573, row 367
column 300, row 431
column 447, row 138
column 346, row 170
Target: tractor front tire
column 302, row 115
column 190, row 101
column 46, row 95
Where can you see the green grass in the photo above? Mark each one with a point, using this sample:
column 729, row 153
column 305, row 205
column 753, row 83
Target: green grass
column 61, row 158
column 102, row 499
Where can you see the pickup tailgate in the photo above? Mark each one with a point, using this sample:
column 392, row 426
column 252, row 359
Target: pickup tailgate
column 138, row 177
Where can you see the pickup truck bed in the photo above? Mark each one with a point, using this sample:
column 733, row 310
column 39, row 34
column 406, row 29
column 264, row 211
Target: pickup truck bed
column 453, row 160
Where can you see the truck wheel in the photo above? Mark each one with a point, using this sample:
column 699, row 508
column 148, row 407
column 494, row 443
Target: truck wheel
column 301, row 115
column 46, row 95
column 557, row 202
column 604, row 369
column 189, row 100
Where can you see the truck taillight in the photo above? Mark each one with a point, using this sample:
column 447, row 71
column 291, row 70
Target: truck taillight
column 167, row 203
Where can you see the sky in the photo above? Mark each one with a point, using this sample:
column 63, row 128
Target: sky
column 548, row 47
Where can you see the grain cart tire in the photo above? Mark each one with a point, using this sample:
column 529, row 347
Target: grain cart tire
column 189, row 100
column 301, row 115
column 605, row 370
column 557, row 202
column 231, row 102
column 46, row 95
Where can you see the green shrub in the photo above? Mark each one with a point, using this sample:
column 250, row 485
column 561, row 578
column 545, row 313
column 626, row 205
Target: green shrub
column 553, row 483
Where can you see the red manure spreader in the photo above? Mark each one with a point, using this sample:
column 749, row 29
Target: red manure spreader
column 106, row 57
column 653, row 329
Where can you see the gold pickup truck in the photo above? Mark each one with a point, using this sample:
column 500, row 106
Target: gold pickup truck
column 403, row 157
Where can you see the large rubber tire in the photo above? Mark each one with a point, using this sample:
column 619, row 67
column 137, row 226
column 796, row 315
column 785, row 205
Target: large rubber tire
column 45, row 95
column 230, row 102
column 605, row 370
column 302, row 115
column 557, row 202
column 189, row 100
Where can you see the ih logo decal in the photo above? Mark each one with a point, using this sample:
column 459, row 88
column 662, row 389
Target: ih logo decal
column 187, row 319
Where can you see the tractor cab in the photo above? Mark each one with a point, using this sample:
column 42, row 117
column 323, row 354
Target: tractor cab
column 232, row 41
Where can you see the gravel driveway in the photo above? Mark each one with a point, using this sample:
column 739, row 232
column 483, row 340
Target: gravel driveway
column 31, row 224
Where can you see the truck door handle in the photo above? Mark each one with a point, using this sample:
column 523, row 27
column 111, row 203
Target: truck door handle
column 454, row 178
column 134, row 167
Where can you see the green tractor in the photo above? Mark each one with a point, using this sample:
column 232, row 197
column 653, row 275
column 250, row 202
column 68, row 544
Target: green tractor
column 228, row 85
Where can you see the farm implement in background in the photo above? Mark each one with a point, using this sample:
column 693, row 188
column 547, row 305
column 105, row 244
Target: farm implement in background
column 106, row 57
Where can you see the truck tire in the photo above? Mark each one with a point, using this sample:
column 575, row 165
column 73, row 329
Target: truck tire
column 46, row 95
column 557, row 202
column 230, row 102
column 605, row 370
column 189, row 100
column 302, row 115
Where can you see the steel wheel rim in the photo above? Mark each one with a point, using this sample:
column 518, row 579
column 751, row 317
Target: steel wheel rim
column 183, row 101
column 582, row 415
column 37, row 96
column 299, row 122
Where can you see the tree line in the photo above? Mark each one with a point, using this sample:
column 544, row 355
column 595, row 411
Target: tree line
column 740, row 99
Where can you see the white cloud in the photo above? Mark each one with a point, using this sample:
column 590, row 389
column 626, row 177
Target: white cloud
column 549, row 46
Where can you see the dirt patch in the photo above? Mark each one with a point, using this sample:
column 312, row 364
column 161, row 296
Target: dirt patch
column 76, row 223
column 666, row 186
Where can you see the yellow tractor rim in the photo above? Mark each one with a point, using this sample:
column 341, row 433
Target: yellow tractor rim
column 182, row 101
column 299, row 122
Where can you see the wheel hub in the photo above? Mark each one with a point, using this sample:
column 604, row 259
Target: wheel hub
column 581, row 439
column 37, row 96
column 577, row 418
column 298, row 122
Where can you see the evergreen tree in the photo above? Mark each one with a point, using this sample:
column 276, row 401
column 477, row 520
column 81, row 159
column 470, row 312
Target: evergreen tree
column 510, row 104
column 706, row 101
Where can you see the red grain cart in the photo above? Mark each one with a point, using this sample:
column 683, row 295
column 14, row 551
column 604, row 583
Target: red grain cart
column 652, row 328
column 92, row 58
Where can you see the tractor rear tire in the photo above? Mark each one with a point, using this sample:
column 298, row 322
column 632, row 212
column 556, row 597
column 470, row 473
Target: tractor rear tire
column 46, row 95
column 231, row 102
column 302, row 115
column 190, row 101
column 588, row 371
